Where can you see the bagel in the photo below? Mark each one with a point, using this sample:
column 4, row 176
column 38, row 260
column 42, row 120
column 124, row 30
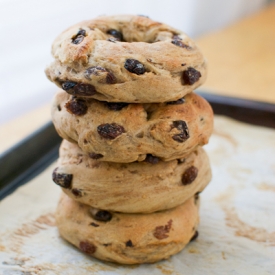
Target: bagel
column 133, row 187
column 127, row 238
column 126, row 58
column 120, row 132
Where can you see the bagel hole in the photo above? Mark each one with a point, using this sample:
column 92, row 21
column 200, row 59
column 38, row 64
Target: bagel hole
column 59, row 107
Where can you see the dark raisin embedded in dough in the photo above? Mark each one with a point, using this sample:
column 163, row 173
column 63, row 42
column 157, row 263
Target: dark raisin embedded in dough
column 129, row 243
column 184, row 132
column 177, row 102
column 77, row 107
column 97, row 71
column 110, row 131
column 151, row 159
column 195, row 236
column 178, row 42
column 161, row 232
column 134, row 66
column 94, row 224
column 190, row 76
column 79, row 37
column 110, row 78
column 81, row 32
column 94, row 70
column 87, row 247
column 116, row 106
column 103, row 216
column 116, row 34
column 67, row 85
column 61, row 179
column 95, row 156
column 77, row 192
column 189, row 175
column 82, row 89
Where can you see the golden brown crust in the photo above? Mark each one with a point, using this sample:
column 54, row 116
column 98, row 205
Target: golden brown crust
column 167, row 131
column 133, row 187
column 127, row 238
column 166, row 54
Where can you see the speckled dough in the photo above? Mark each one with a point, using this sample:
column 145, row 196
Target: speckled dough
column 167, row 131
column 171, row 63
column 127, row 238
column 133, row 187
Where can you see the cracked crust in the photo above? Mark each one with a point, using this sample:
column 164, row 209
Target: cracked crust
column 166, row 54
column 165, row 131
column 128, row 238
column 134, row 187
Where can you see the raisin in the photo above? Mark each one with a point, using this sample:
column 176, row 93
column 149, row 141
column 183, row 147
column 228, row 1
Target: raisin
column 77, row 107
column 129, row 243
column 190, row 76
column 77, row 192
column 97, row 70
column 162, row 231
column 177, row 41
column 110, row 78
column 103, row 216
column 82, row 89
column 116, row 34
column 134, row 66
column 116, row 106
column 110, row 131
column 177, row 102
column 189, row 175
column 195, row 236
column 94, row 224
column 79, row 37
column 81, row 32
column 63, row 180
column 67, row 85
column 151, row 159
column 94, row 70
column 182, row 127
column 95, row 156
column 87, row 247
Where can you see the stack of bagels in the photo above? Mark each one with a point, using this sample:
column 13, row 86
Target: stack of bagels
column 131, row 164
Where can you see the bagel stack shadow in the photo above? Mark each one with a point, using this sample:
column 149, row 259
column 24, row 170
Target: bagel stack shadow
column 131, row 165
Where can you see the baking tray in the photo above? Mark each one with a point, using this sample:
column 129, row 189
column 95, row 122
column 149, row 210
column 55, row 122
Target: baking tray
column 36, row 152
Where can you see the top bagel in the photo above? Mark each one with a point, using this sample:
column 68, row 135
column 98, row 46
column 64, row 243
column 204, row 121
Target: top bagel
column 126, row 58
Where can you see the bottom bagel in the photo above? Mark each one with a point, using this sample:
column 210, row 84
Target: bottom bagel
column 127, row 238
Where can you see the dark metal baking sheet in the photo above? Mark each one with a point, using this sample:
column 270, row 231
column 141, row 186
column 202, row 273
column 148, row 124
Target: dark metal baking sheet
column 35, row 153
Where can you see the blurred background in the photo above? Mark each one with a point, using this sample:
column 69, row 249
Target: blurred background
column 28, row 28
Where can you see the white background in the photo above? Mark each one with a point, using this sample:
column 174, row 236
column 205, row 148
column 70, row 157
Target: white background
column 28, row 28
